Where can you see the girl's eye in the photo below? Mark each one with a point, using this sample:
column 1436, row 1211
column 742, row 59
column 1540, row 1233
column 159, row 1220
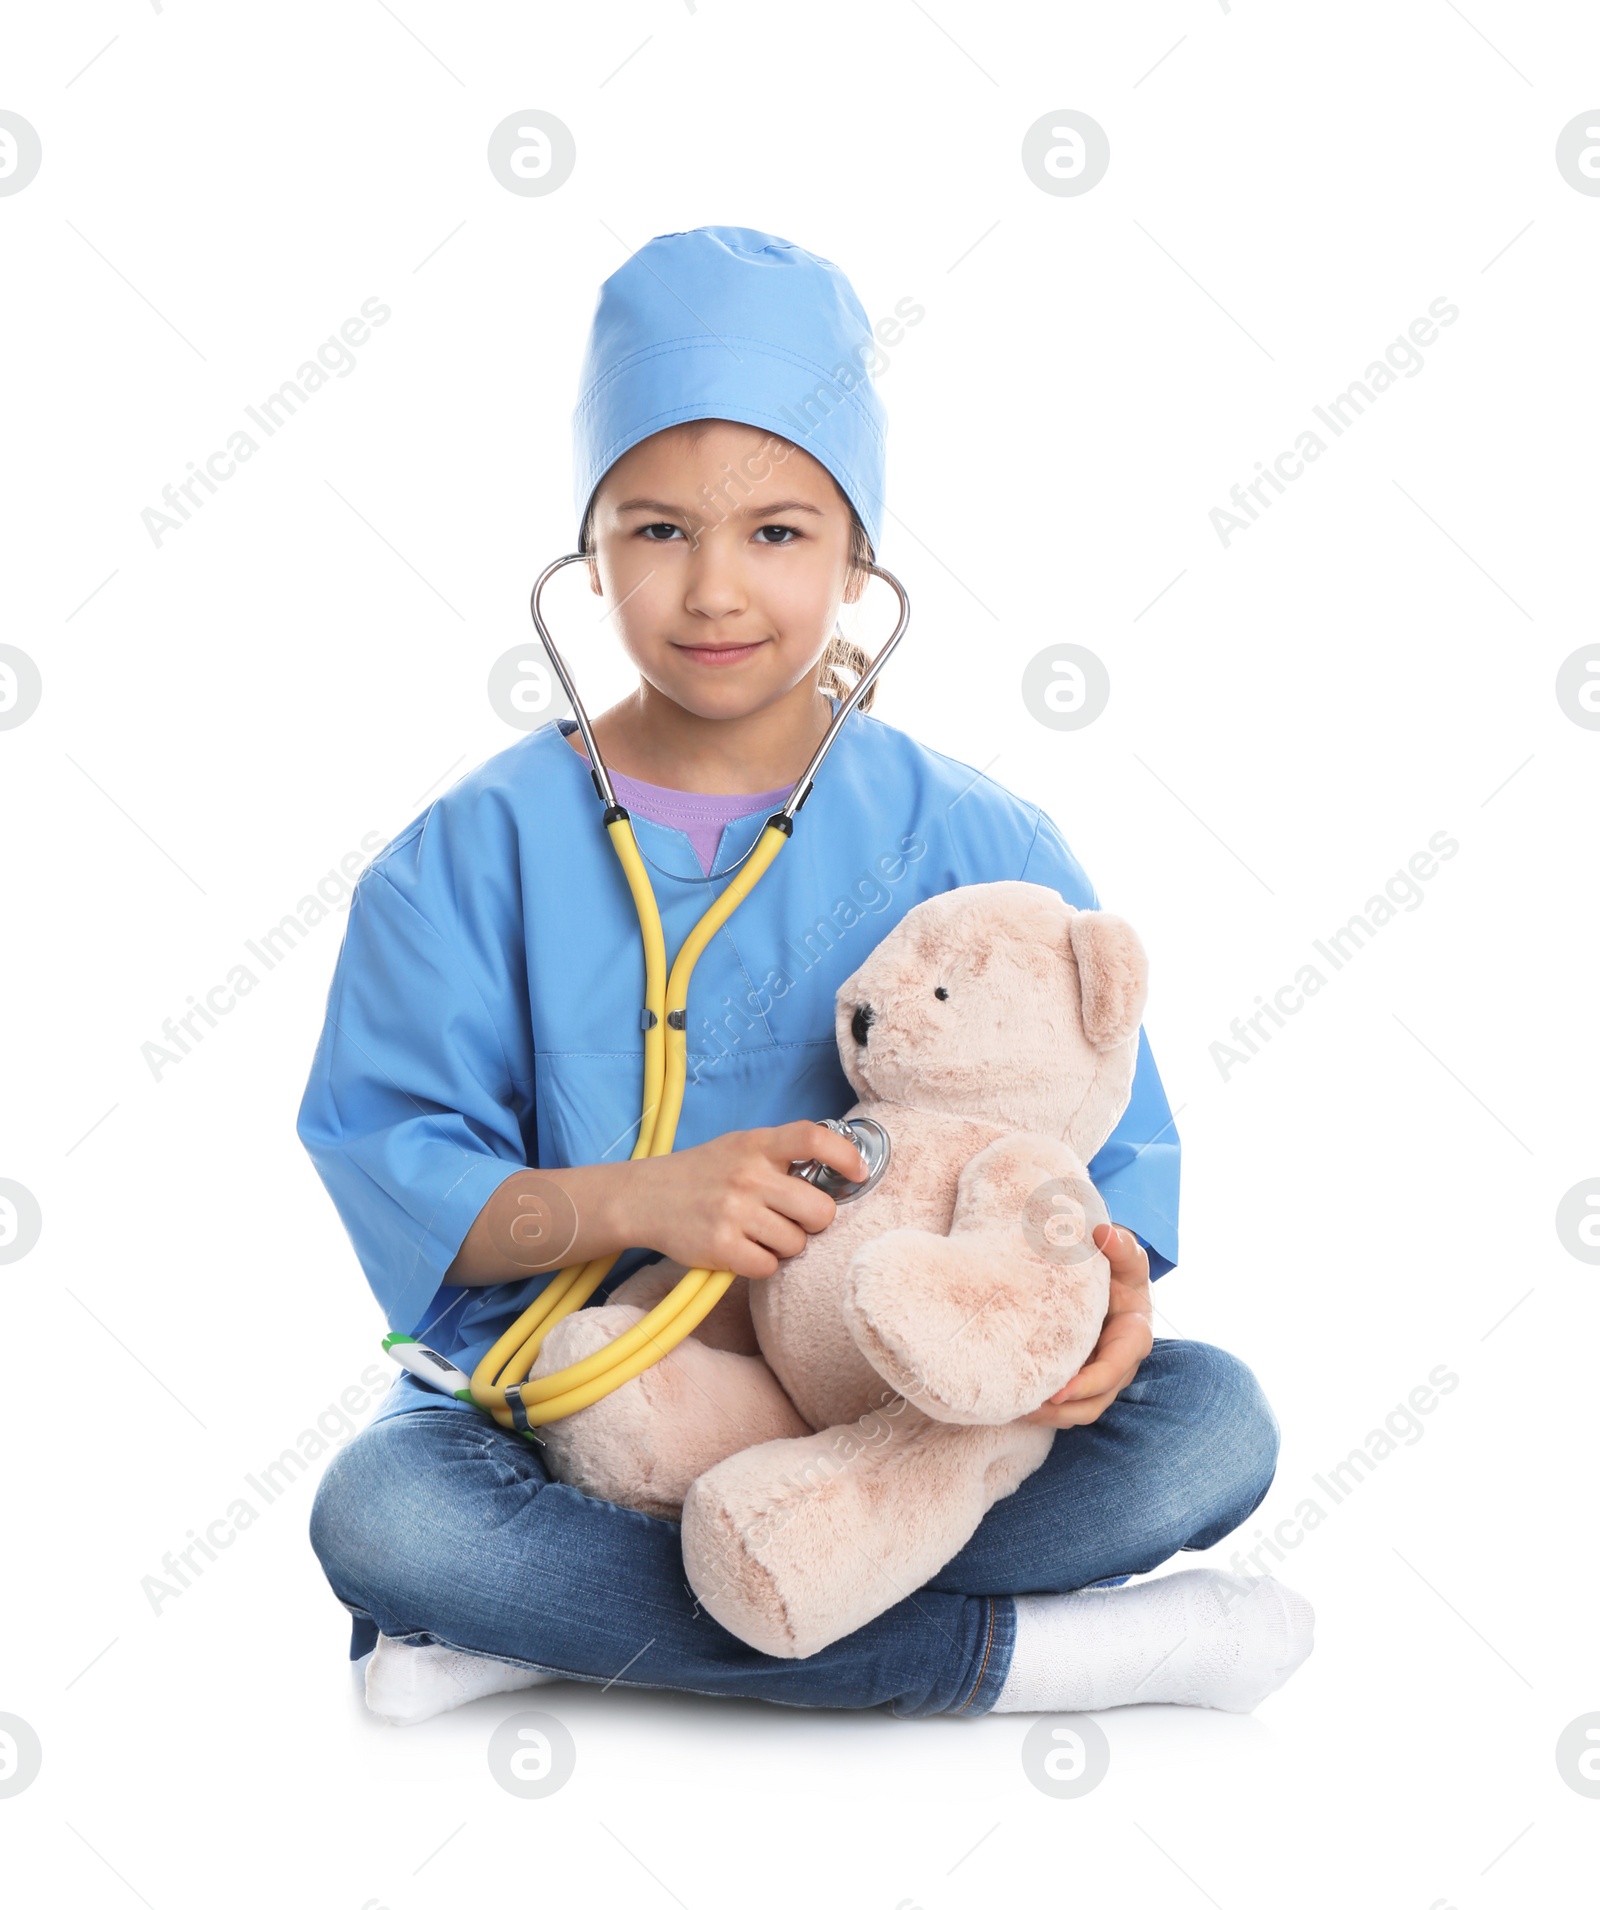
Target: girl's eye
column 786, row 534
column 646, row 532
column 941, row 994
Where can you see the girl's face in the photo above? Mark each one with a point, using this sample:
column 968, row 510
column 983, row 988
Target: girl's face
column 726, row 559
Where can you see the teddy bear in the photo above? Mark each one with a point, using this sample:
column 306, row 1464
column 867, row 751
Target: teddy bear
column 832, row 1436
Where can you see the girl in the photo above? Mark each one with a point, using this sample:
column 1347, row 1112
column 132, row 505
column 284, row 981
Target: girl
column 474, row 1096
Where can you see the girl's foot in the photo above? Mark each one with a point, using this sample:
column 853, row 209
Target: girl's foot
column 408, row 1683
column 1202, row 1637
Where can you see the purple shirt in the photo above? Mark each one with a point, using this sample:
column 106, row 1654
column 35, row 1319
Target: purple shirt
column 701, row 818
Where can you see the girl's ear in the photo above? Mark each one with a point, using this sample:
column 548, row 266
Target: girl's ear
column 1113, row 975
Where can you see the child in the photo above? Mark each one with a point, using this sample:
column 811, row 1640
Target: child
column 475, row 1093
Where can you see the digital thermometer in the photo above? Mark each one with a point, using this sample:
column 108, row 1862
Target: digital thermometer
column 433, row 1369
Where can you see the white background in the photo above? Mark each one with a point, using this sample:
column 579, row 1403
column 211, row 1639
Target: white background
column 1292, row 716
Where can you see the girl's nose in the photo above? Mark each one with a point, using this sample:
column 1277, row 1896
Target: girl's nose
column 716, row 585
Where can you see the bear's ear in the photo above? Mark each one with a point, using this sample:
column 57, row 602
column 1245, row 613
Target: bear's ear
column 1113, row 973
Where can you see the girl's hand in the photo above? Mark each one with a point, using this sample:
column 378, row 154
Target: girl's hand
column 732, row 1204
column 1124, row 1340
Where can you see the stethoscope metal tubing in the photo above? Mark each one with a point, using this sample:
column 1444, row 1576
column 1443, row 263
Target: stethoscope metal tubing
column 808, row 775
column 597, row 768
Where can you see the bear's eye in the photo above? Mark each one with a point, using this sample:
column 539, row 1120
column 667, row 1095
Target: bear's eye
column 941, row 994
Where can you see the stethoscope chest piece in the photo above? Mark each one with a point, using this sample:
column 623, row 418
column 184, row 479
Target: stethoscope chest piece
column 870, row 1140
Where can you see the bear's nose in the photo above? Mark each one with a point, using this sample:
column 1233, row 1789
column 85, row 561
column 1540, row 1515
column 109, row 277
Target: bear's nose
column 860, row 1022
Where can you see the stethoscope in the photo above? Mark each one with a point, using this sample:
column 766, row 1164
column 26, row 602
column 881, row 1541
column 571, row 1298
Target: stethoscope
column 500, row 1384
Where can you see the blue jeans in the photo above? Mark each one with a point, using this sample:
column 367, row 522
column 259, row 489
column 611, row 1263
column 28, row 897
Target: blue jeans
column 435, row 1526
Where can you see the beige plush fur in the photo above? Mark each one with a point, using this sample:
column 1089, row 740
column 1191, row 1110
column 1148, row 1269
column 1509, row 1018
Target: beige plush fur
column 833, row 1435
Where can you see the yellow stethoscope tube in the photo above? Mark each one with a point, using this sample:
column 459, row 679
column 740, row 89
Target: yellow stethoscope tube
column 500, row 1382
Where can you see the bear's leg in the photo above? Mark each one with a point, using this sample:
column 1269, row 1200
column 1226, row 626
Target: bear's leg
column 983, row 1325
column 794, row 1544
column 642, row 1445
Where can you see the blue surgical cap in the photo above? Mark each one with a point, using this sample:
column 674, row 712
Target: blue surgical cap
column 727, row 322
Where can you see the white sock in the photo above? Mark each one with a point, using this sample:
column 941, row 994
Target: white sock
column 408, row 1683
column 1202, row 1637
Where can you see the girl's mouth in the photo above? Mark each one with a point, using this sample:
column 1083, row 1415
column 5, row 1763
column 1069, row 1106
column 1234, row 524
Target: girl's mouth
column 718, row 655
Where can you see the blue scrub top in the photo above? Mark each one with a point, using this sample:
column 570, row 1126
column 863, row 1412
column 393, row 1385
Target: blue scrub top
column 484, row 1012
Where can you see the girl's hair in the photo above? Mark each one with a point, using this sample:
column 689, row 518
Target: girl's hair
column 841, row 654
